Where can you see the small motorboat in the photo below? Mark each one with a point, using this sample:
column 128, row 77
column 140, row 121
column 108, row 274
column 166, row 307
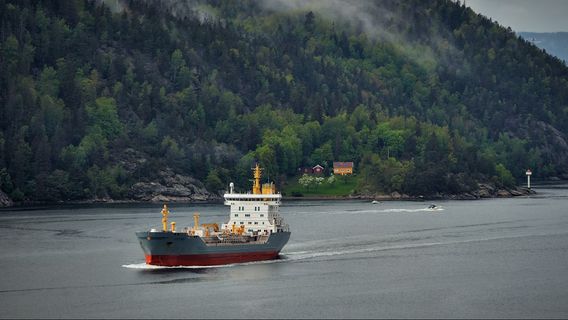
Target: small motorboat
column 434, row 207
column 375, row 202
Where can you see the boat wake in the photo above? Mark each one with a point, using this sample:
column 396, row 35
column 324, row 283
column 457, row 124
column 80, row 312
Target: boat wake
column 393, row 210
column 414, row 210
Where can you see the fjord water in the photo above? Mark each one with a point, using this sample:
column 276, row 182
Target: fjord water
column 486, row 258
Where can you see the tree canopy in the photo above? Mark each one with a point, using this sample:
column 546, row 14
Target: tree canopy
column 434, row 98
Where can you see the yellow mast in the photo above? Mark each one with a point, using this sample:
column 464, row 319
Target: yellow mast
column 195, row 221
column 165, row 213
column 256, row 183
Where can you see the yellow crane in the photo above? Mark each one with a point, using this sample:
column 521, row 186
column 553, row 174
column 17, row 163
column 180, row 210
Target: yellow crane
column 208, row 226
column 237, row 230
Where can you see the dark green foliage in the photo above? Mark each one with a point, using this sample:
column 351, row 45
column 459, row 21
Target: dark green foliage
column 435, row 111
column 213, row 182
column 6, row 181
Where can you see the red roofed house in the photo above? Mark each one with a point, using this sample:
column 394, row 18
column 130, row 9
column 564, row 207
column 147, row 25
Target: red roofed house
column 317, row 169
column 343, row 168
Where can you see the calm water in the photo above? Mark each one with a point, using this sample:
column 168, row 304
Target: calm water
column 490, row 258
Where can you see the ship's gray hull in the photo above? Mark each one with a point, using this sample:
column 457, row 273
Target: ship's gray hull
column 176, row 248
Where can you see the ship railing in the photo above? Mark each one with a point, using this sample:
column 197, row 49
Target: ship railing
column 215, row 241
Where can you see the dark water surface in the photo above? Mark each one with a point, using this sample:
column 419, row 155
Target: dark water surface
column 490, row 258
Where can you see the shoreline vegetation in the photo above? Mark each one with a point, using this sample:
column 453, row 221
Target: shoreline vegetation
column 149, row 104
column 485, row 192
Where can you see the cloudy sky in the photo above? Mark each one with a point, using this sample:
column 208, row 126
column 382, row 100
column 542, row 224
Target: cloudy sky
column 525, row 15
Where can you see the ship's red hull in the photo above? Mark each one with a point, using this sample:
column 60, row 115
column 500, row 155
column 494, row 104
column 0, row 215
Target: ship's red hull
column 208, row 259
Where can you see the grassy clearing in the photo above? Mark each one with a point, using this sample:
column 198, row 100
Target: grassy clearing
column 343, row 186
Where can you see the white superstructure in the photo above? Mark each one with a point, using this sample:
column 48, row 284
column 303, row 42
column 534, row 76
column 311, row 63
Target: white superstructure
column 256, row 212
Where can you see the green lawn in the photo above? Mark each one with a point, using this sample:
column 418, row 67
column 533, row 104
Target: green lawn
column 343, row 186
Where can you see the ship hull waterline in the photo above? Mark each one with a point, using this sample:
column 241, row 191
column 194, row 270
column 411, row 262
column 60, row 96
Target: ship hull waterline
column 208, row 259
column 178, row 249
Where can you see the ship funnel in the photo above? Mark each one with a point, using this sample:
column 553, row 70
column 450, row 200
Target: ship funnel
column 268, row 188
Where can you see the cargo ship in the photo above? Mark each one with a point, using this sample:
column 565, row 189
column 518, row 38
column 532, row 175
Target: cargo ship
column 254, row 231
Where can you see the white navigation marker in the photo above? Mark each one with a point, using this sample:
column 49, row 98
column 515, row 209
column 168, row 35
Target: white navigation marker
column 529, row 173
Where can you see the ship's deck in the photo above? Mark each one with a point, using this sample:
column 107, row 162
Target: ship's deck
column 235, row 240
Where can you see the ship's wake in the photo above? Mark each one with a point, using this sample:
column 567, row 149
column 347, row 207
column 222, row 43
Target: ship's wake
column 308, row 254
column 293, row 256
column 303, row 255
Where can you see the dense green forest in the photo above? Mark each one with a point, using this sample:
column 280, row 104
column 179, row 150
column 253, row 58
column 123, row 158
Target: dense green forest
column 423, row 96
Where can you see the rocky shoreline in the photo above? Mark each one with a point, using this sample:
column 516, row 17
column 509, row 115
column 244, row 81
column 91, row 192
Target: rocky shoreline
column 5, row 201
column 485, row 191
column 171, row 187
column 175, row 188
column 167, row 186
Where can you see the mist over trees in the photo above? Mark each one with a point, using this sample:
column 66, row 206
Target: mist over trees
column 435, row 99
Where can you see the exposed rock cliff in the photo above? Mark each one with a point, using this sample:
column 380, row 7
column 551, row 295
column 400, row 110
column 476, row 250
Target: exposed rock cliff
column 485, row 190
column 552, row 142
column 165, row 186
column 171, row 187
column 5, row 201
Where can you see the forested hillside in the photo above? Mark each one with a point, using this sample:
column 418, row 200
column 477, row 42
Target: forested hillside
column 423, row 96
